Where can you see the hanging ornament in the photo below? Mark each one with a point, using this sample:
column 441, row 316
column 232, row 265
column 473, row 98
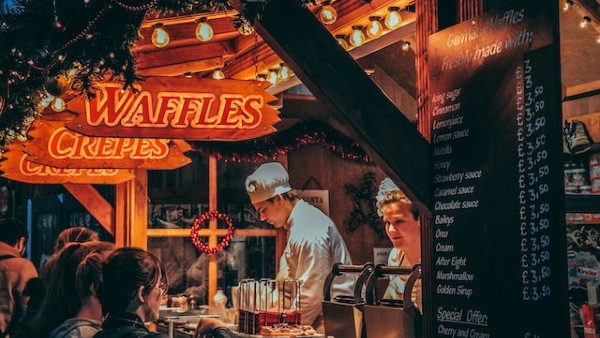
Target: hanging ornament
column 57, row 85
column 223, row 243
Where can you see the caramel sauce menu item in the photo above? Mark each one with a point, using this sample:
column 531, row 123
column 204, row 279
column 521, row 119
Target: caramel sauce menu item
column 498, row 267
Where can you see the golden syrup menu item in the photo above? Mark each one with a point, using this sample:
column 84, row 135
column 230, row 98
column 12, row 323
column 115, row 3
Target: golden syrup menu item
column 498, row 266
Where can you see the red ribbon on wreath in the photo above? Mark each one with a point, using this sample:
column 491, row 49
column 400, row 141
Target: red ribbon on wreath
column 223, row 243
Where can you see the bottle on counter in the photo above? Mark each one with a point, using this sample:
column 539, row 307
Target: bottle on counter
column 220, row 299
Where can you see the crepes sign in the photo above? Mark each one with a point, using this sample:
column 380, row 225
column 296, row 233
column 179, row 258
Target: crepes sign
column 54, row 145
column 190, row 109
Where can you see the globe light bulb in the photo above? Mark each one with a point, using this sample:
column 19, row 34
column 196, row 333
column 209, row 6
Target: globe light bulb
column 568, row 4
column 328, row 14
column 272, row 76
column 246, row 28
column 160, row 37
column 357, row 37
column 585, row 21
column 204, row 31
column 218, row 74
column 393, row 19
column 284, row 72
column 405, row 46
column 374, row 29
column 341, row 39
column 261, row 77
column 58, row 105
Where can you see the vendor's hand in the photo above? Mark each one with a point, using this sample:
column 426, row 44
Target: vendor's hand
column 206, row 326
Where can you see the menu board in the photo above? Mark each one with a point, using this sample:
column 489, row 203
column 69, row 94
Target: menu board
column 498, row 267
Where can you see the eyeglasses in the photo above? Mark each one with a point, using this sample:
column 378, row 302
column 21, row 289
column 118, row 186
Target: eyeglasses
column 163, row 288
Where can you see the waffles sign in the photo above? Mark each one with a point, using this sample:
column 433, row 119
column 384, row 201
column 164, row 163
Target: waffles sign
column 190, row 109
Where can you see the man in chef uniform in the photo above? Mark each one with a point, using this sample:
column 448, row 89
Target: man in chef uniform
column 314, row 243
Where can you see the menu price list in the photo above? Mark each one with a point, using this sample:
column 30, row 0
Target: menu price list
column 533, row 168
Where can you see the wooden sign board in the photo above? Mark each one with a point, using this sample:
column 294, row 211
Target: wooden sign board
column 180, row 108
column 16, row 167
column 56, row 146
column 498, row 261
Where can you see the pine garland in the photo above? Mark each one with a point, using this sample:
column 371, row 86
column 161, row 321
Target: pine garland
column 269, row 147
column 85, row 41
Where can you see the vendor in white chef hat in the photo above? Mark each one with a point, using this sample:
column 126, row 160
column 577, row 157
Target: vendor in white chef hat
column 314, row 243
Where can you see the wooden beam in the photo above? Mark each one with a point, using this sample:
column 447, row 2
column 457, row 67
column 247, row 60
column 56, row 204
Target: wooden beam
column 95, row 204
column 184, row 67
column 138, row 221
column 333, row 76
column 398, row 95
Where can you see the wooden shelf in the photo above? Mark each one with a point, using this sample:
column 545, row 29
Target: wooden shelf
column 582, row 203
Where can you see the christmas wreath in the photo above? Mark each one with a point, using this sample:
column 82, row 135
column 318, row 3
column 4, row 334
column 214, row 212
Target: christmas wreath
column 223, row 243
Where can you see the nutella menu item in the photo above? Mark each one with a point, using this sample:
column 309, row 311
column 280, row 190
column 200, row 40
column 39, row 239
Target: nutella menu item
column 498, row 267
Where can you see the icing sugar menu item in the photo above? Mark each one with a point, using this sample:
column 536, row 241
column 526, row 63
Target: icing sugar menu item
column 498, row 266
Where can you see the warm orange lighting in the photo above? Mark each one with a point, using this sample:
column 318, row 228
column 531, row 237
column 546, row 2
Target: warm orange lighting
column 261, row 77
column 204, row 31
column 393, row 19
column 341, row 39
column 374, row 29
column 160, row 37
column 58, row 104
column 568, row 4
column 272, row 76
column 405, row 46
column 218, row 74
column 357, row 37
column 327, row 14
column 585, row 21
column 284, row 72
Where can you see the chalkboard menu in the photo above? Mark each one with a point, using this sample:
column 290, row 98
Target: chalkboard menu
column 498, row 267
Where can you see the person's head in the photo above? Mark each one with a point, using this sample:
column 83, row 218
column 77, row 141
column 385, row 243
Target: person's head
column 75, row 234
column 400, row 216
column 14, row 233
column 134, row 281
column 271, row 194
column 73, row 282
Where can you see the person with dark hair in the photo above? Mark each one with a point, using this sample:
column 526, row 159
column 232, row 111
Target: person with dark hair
column 71, row 308
column 15, row 271
column 401, row 220
column 314, row 243
column 69, row 235
column 134, row 284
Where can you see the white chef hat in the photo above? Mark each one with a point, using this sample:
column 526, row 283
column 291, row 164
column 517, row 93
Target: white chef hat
column 385, row 187
column 268, row 180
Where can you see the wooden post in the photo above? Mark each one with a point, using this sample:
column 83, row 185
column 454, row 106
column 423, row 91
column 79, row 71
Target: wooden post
column 213, row 268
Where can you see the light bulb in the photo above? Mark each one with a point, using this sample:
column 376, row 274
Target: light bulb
column 598, row 39
column 204, row 31
column 374, row 28
column 22, row 136
column 218, row 74
column 246, row 28
column 341, row 39
column 160, row 37
column 261, row 77
column 405, row 46
column 284, row 72
column 327, row 14
column 45, row 102
column 58, row 105
column 393, row 18
column 585, row 21
column 357, row 37
column 272, row 76
column 568, row 4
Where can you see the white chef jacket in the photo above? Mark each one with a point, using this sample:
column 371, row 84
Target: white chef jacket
column 314, row 245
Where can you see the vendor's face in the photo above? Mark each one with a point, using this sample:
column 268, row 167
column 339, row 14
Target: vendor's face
column 272, row 211
column 400, row 225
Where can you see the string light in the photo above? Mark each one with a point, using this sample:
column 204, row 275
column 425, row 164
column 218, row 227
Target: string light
column 272, row 76
column 393, row 18
column 585, row 21
column 568, row 4
column 374, row 28
column 357, row 37
column 246, row 28
column 328, row 14
column 405, row 46
column 284, row 72
column 160, row 37
column 58, row 105
column 341, row 39
column 261, row 77
column 218, row 74
column 204, row 31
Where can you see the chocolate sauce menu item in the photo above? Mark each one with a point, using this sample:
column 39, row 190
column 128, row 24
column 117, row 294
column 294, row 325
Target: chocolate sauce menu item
column 499, row 263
